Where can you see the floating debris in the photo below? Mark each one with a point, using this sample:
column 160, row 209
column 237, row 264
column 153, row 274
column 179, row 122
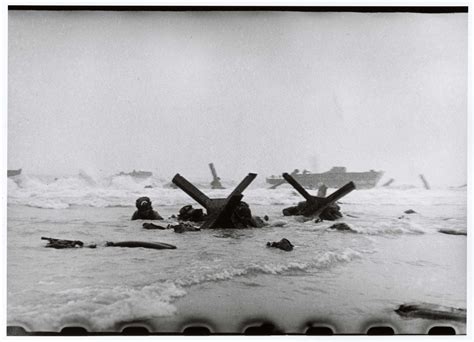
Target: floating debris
column 60, row 243
column 452, row 232
column 136, row 244
column 148, row 225
column 184, row 227
column 431, row 311
column 342, row 227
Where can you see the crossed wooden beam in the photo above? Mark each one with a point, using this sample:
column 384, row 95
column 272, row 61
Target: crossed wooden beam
column 316, row 205
column 219, row 210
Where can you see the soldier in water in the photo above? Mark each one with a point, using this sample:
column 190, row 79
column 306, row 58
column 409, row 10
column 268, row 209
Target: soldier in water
column 145, row 210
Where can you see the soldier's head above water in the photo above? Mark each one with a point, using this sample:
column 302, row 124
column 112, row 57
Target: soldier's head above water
column 143, row 203
column 145, row 210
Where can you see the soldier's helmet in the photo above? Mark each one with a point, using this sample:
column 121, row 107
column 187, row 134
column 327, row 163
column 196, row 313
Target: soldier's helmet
column 143, row 203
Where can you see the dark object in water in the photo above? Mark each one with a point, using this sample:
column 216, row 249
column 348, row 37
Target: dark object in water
column 425, row 182
column 12, row 173
column 387, row 183
column 134, row 244
column 320, row 207
column 216, row 181
column 184, row 227
column 148, row 225
column 145, row 210
column 342, row 227
column 334, row 178
column 60, row 244
column 220, row 211
column 331, row 213
column 242, row 217
column 283, row 244
column 410, row 211
column 137, row 174
column 431, row 311
column 452, row 232
column 266, row 218
column 350, row 215
column 188, row 213
column 148, row 187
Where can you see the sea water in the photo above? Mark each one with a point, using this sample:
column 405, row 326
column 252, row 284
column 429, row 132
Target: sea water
column 228, row 277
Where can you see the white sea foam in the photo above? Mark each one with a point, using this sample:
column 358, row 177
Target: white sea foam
column 98, row 308
column 322, row 260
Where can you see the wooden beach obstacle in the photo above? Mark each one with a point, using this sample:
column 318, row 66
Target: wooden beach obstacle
column 322, row 189
column 219, row 210
column 387, row 183
column 216, row 181
column 315, row 205
column 425, row 182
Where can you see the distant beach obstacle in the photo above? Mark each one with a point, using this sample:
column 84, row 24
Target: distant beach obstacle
column 219, row 210
column 425, row 182
column 389, row 182
column 216, row 181
column 322, row 189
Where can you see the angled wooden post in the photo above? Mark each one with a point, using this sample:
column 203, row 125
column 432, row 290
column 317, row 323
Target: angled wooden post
column 425, row 182
column 219, row 210
column 191, row 190
column 216, row 182
column 316, row 205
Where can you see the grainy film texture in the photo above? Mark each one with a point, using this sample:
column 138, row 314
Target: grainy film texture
column 236, row 170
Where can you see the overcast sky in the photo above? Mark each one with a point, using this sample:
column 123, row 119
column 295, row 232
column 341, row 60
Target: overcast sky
column 263, row 92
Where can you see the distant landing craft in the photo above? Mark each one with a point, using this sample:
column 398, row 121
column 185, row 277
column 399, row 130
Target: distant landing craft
column 11, row 173
column 137, row 174
column 334, row 178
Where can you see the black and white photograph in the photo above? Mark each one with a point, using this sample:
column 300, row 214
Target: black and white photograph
column 276, row 170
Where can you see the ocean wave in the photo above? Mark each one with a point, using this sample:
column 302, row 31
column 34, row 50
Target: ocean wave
column 323, row 260
column 385, row 227
column 122, row 191
column 96, row 308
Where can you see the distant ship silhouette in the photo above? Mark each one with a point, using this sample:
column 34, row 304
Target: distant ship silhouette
column 137, row 174
column 334, row 178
